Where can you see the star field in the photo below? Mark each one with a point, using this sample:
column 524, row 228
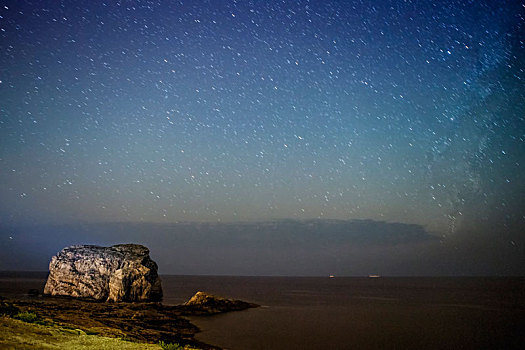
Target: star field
column 169, row 111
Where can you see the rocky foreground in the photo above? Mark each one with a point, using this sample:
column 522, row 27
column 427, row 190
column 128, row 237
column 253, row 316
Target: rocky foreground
column 109, row 292
column 138, row 322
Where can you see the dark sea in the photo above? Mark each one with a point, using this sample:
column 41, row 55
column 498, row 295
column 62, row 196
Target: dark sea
column 348, row 312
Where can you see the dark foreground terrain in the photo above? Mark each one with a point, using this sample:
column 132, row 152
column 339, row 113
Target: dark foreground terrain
column 135, row 322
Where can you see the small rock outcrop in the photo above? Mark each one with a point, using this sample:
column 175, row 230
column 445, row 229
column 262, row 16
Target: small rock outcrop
column 203, row 303
column 123, row 272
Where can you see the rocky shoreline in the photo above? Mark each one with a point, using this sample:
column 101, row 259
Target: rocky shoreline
column 112, row 292
column 143, row 322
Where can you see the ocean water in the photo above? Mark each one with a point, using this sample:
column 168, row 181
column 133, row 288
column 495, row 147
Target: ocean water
column 348, row 313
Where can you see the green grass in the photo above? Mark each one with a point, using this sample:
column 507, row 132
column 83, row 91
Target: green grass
column 175, row 346
column 29, row 317
column 16, row 334
column 170, row 346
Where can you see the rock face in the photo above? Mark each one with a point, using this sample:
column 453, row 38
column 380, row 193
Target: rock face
column 123, row 272
column 203, row 303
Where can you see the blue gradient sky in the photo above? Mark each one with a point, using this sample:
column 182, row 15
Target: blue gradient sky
column 169, row 111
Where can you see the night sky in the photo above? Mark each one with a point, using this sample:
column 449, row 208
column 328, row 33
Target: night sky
column 170, row 112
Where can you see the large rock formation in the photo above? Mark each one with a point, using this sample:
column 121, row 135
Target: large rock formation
column 123, row 272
